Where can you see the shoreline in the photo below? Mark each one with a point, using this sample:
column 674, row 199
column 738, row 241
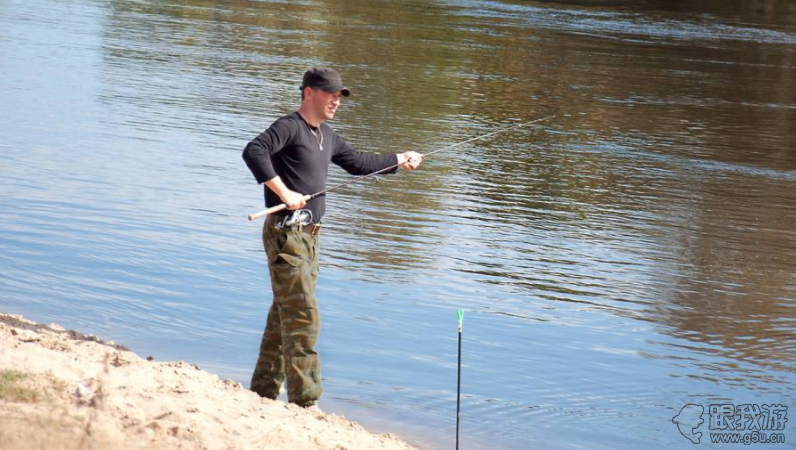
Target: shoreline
column 76, row 391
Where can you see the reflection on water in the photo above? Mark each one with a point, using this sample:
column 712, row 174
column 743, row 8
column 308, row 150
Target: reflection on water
column 634, row 255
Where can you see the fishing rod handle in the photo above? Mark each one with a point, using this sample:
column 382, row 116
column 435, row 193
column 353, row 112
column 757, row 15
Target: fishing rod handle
column 274, row 209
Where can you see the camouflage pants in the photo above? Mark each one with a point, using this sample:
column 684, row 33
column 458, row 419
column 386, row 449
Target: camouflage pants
column 287, row 347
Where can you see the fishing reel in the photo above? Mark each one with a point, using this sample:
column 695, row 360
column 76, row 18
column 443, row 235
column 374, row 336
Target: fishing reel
column 299, row 218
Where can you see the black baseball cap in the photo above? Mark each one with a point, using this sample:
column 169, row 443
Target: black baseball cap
column 326, row 79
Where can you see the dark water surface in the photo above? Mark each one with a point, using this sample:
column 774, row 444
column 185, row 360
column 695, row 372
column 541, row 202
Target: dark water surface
column 633, row 255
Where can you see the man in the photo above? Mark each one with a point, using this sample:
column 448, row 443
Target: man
column 292, row 158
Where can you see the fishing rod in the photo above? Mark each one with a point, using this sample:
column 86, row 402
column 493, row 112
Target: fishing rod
column 309, row 197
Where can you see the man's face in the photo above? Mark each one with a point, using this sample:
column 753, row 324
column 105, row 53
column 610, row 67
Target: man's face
column 324, row 103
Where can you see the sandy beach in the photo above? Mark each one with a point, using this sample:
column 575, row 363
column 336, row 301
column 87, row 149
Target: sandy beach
column 63, row 389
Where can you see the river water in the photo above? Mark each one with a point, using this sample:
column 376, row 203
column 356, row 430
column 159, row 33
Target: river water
column 630, row 256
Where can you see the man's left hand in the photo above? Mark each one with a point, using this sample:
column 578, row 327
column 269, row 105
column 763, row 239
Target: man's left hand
column 410, row 160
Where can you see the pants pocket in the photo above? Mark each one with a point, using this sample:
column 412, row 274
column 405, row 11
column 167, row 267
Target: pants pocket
column 294, row 261
column 295, row 250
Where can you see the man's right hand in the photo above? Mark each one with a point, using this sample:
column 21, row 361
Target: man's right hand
column 293, row 200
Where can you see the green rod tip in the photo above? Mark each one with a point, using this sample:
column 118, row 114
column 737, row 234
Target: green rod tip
column 461, row 318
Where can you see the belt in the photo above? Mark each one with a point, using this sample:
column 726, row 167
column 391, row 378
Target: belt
column 313, row 229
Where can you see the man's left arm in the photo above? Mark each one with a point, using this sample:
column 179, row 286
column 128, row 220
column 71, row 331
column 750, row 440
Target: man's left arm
column 362, row 163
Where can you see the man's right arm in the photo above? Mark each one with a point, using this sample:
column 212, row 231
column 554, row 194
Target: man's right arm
column 257, row 156
column 258, row 152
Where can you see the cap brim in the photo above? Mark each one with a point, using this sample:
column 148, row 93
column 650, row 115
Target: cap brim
column 335, row 89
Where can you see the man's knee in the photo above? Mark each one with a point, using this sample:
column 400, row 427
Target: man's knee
column 300, row 332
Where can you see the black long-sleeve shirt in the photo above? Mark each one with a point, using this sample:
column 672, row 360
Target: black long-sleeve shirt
column 300, row 154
